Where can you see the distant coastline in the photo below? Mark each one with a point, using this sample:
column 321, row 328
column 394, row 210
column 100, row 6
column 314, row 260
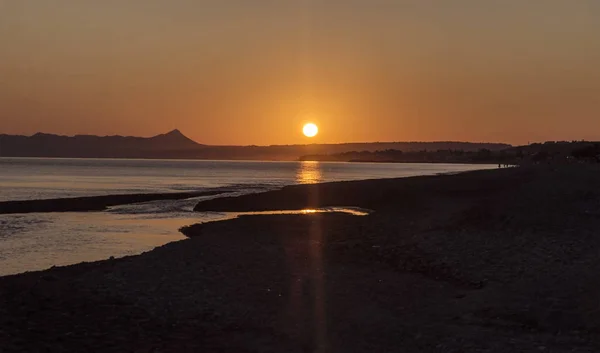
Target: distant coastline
column 175, row 145
column 554, row 152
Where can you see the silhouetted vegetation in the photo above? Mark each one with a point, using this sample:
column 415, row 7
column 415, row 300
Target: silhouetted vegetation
column 591, row 153
column 440, row 156
column 548, row 152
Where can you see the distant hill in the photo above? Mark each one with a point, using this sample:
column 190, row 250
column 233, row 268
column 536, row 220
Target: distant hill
column 397, row 156
column 176, row 145
column 548, row 152
column 48, row 145
column 559, row 151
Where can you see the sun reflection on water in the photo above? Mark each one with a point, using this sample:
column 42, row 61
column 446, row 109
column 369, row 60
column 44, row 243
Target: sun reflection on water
column 309, row 172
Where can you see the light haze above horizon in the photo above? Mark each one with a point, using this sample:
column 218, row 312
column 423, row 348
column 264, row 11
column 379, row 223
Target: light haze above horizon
column 254, row 72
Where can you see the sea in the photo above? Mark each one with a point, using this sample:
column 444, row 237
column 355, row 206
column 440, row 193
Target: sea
column 37, row 241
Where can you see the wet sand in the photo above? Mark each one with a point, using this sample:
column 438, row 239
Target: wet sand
column 94, row 203
column 488, row 261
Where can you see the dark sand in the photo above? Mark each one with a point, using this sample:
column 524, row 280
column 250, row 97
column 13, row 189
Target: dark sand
column 94, row 203
column 490, row 261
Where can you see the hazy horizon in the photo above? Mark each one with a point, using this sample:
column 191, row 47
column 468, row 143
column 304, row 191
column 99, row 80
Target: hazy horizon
column 235, row 73
column 307, row 142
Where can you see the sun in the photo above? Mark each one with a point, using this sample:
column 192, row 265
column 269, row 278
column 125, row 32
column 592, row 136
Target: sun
column 310, row 130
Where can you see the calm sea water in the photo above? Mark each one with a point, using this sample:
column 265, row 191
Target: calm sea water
column 41, row 240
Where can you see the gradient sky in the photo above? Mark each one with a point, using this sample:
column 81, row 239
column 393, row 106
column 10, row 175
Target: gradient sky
column 252, row 71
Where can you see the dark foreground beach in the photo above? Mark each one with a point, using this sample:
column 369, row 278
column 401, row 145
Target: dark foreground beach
column 490, row 261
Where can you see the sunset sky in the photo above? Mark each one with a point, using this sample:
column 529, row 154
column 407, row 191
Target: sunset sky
column 253, row 71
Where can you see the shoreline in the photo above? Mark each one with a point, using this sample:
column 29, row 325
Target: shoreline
column 496, row 260
column 103, row 202
column 332, row 194
column 95, row 203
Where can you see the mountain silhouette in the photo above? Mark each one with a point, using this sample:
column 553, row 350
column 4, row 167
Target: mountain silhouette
column 176, row 145
column 174, row 139
column 168, row 145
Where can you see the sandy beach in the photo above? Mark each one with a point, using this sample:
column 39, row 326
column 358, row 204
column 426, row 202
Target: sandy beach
column 487, row 261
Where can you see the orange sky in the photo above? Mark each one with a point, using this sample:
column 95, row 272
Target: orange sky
column 251, row 72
